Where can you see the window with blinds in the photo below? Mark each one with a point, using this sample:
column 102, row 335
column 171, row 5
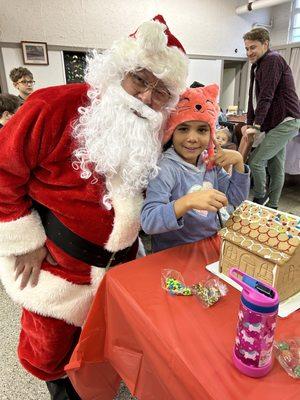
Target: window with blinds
column 294, row 35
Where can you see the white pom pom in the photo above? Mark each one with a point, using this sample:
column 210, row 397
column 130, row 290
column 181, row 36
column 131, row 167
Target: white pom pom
column 151, row 36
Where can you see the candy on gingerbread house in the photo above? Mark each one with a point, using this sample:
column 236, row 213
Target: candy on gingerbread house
column 265, row 244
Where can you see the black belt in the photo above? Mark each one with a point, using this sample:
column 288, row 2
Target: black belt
column 78, row 247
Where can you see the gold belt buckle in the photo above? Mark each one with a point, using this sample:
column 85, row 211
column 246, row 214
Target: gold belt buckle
column 112, row 257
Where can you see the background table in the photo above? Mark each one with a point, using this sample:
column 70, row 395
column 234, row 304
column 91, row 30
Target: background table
column 169, row 347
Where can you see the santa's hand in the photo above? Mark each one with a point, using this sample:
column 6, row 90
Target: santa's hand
column 29, row 266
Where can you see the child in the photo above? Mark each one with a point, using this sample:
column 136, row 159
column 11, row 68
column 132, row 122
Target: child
column 223, row 136
column 8, row 106
column 22, row 80
column 182, row 201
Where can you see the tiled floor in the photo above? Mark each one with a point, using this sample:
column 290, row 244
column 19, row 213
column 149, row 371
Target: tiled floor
column 15, row 384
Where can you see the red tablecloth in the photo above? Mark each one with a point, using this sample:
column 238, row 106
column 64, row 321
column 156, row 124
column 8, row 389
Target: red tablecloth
column 169, row 347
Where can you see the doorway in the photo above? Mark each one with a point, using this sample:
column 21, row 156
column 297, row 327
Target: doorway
column 234, row 85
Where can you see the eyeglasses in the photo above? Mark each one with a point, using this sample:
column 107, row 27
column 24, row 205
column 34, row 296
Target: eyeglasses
column 26, row 82
column 141, row 85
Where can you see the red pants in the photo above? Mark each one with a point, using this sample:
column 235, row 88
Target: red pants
column 46, row 345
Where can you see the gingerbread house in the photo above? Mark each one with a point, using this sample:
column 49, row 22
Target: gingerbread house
column 265, row 244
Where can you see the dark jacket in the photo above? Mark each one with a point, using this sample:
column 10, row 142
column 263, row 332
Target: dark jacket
column 275, row 92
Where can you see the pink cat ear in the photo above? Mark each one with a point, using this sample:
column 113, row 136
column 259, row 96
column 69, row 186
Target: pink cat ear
column 212, row 90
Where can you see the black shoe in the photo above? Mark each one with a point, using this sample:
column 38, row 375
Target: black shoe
column 261, row 200
column 62, row 389
column 274, row 208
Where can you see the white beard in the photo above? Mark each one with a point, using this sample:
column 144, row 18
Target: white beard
column 117, row 143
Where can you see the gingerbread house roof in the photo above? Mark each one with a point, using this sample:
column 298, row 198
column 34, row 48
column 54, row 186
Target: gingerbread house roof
column 269, row 233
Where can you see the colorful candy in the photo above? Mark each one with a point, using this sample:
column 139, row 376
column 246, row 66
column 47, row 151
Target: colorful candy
column 208, row 292
column 287, row 352
column 176, row 287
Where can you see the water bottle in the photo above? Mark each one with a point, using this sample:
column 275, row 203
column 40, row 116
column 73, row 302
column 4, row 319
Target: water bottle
column 252, row 354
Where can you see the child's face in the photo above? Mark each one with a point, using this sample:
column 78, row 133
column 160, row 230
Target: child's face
column 221, row 138
column 190, row 139
column 25, row 85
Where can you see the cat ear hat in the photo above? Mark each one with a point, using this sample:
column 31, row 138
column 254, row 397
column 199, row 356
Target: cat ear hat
column 196, row 104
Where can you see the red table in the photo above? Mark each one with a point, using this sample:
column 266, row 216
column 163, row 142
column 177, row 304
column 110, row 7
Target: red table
column 169, row 347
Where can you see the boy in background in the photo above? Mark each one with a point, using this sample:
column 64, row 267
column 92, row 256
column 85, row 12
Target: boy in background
column 23, row 81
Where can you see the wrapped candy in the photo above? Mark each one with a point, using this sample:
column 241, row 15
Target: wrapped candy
column 287, row 352
column 208, row 292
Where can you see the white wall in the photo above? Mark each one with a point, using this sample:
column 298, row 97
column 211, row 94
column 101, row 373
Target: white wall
column 205, row 71
column 44, row 75
column 208, row 27
column 227, row 97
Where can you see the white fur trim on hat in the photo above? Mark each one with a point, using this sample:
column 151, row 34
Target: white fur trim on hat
column 53, row 296
column 21, row 235
column 148, row 49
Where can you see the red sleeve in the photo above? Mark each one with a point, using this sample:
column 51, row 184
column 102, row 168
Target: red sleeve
column 22, row 148
column 23, row 145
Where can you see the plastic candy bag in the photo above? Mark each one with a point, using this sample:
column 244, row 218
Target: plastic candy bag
column 172, row 281
column 207, row 292
column 210, row 291
column 287, row 352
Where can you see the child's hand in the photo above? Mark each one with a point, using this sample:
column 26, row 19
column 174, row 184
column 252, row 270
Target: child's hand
column 224, row 158
column 208, row 200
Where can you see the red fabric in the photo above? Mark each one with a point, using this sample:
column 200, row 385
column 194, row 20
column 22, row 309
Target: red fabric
column 45, row 345
column 172, row 40
column 168, row 347
column 39, row 141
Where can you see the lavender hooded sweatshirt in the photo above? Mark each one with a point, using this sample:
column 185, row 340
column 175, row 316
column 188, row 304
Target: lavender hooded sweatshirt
column 175, row 179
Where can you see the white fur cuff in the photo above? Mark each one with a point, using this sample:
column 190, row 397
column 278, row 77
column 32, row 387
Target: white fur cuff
column 126, row 222
column 22, row 235
column 53, row 296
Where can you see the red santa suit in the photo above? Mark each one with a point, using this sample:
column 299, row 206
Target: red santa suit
column 39, row 142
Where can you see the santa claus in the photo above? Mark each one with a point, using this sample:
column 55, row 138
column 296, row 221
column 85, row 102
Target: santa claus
column 74, row 162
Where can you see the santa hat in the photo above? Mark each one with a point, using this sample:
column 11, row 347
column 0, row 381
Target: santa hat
column 195, row 104
column 153, row 47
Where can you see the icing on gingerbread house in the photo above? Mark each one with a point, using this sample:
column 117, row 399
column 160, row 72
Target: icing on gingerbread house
column 265, row 244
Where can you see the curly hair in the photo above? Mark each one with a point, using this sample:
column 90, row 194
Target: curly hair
column 18, row 73
column 260, row 34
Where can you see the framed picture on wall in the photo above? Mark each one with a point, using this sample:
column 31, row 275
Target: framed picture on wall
column 35, row 53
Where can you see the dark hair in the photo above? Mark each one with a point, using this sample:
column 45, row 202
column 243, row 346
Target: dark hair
column 18, row 73
column 9, row 102
column 196, row 84
column 260, row 34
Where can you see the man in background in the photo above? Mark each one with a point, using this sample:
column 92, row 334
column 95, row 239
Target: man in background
column 8, row 106
column 273, row 108
column 23, row 81
column 73, row 168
